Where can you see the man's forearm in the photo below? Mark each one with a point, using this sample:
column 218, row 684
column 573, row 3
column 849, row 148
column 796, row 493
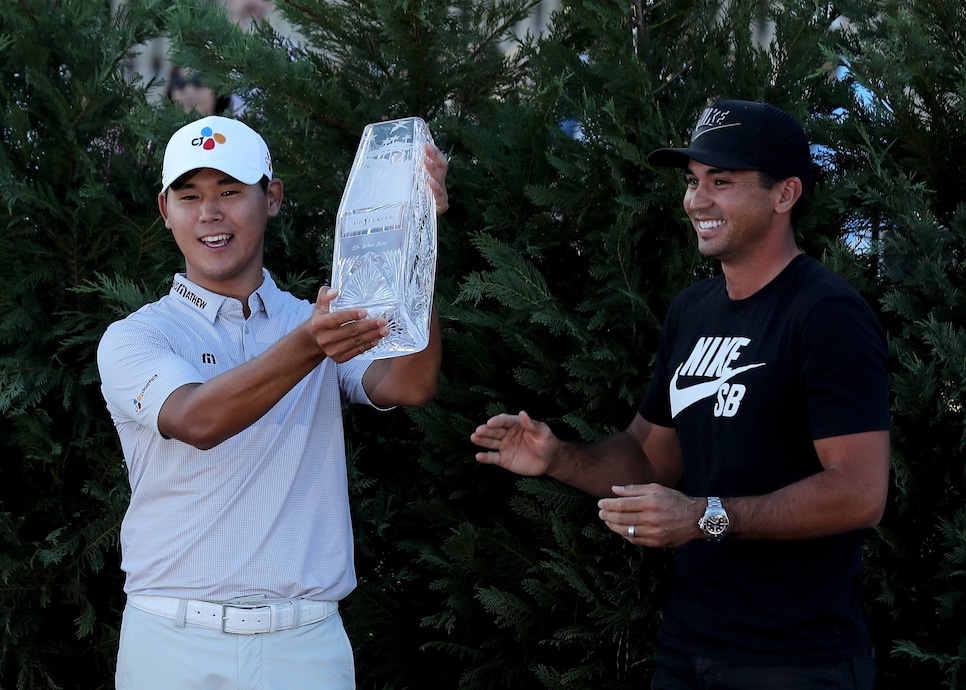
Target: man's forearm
column 597, row 467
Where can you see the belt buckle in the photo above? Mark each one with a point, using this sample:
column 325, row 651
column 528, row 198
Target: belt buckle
column 243, row 607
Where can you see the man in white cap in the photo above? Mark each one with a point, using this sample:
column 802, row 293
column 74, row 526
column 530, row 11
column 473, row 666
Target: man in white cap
column 227, row 396
column 761, row 449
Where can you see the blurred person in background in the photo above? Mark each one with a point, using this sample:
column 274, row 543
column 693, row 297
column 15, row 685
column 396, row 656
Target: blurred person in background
column 189, row 90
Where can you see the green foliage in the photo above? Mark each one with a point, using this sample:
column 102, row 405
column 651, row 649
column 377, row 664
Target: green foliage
column 558, row 258
column 76, row 189
column 899, row 154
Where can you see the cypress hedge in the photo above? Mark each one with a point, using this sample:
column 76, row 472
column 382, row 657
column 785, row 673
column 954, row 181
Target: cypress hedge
column 558, row 258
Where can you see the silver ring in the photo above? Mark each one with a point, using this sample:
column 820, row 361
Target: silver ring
column 630, row 531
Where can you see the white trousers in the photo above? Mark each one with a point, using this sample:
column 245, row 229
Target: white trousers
column 157, row 654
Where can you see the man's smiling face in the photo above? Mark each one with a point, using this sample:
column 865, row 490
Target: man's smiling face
column 730, row 210
column 219, row 226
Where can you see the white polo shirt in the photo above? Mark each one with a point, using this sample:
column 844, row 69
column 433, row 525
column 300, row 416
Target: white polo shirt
column 264, row 512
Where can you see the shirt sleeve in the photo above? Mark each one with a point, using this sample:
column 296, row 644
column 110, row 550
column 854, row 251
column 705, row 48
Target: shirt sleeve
column 139, row 369
column 350, row 381
column 844, row 368
column 656, row 404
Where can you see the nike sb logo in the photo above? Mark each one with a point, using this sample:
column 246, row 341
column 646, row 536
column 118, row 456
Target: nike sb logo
column 711, row 358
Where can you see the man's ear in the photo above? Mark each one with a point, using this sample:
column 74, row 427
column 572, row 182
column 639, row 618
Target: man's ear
column 275, row 194
column 163, row 208
column 790, row 191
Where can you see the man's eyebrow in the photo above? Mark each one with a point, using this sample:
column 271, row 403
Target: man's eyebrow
column 712, row 171
column 224, row 181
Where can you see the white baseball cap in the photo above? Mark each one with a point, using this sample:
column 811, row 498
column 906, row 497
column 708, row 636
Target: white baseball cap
column 220, row 143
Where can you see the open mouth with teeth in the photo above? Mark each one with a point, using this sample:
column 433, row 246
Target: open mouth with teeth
column 710, row 224
column 216, row 240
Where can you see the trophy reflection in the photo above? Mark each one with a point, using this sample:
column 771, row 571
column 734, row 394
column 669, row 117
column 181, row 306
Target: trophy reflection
column 385, row 237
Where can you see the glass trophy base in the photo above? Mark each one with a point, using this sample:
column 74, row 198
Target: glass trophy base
column 384, row 258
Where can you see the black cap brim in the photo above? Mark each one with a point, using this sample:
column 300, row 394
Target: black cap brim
column 680, row 158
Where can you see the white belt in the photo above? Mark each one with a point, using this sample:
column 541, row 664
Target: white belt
column 244, row 617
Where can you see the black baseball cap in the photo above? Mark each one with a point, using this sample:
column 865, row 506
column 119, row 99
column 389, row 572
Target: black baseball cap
column 744, row 135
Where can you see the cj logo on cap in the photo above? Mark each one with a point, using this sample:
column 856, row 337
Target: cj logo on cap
column 208, row 139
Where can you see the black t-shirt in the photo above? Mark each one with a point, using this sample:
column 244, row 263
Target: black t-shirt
column 749, row 385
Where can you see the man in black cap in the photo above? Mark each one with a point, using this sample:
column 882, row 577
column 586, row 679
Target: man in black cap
column 761, row 449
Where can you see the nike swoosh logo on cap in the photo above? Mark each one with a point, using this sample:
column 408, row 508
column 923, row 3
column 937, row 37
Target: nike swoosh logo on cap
column 713, row 128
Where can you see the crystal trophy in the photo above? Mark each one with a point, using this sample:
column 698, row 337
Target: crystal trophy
column 384, row 258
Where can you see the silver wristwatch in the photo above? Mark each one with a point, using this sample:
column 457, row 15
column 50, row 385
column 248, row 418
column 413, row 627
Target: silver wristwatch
column 714, row 523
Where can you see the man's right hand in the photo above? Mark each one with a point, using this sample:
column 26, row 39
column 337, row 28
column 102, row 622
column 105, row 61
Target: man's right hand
column 517, row 443
column 341, row 335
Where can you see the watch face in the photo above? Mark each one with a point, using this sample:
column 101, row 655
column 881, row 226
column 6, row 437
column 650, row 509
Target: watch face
column 715, row 524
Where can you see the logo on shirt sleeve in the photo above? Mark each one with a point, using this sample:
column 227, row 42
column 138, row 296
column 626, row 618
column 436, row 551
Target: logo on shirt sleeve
column 140, row 399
